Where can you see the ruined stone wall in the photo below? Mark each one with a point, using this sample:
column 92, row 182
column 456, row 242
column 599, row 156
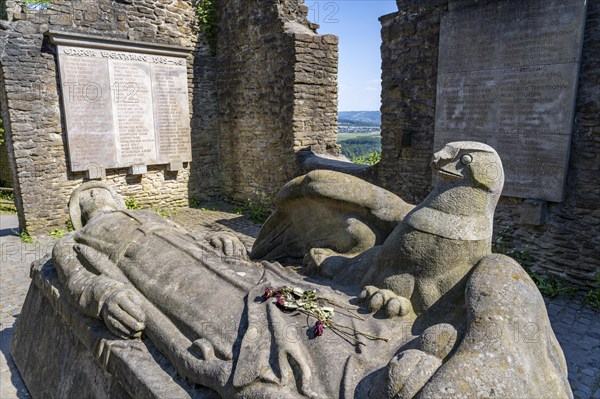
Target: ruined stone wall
column 568, row 244
column 277, row 84
column 35, row 131
column 409, row 54
column 315, row 93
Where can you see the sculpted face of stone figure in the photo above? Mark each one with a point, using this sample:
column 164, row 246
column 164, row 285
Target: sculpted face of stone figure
column 94, row 202
column 429, row 284
column 92, row 199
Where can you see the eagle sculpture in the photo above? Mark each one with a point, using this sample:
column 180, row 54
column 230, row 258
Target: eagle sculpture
column 484, row 330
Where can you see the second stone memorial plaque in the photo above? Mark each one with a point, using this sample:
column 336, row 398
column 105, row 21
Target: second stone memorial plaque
column 170, row 104
column 126, row 103
column 507, row 76
column 133, row 112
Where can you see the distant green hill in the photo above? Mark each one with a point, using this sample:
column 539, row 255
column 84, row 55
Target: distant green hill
column 355, row 123
column 360, row 118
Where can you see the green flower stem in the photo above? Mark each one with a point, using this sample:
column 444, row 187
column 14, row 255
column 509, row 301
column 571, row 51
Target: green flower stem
column 369, row 336
column 344, row 335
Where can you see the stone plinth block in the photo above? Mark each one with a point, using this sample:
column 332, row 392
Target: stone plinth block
column 61, row 353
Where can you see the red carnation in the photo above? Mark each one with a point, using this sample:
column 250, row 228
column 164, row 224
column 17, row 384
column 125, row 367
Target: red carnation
column 268, row 294
column 319, row 327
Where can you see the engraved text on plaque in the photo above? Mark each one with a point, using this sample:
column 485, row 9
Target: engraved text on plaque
column 125, row 105
column 507, row 76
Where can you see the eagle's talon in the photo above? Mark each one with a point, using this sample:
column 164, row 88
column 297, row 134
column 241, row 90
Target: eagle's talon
column 398, row 306
column 392, row 304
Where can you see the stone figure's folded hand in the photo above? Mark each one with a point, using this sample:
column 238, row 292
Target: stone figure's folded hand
column 391, row 303
column 123, row 314
column 229, row 244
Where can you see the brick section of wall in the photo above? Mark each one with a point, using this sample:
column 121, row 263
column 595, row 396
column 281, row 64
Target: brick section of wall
column 272, row 99
column 36, row 129
column 204, row 183
column 316, row 93
column 568, row 245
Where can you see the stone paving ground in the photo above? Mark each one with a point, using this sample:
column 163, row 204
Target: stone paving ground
column 576, row 326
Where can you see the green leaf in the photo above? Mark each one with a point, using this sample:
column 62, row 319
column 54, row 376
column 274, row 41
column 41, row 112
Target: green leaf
column 290, row 305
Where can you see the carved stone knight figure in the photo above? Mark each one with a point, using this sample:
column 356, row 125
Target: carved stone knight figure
column 422, row 306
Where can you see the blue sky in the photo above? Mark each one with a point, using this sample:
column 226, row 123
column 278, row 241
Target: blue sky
column 357, row 25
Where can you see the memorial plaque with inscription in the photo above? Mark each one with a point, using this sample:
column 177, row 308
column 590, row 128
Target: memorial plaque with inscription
column 88, row 110
column 169, row 95
column 507, row 76
column 133, row 113
column 126, row 103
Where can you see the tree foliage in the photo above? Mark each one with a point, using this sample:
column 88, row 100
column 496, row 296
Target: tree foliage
column 360, row 147
column 37, row 4
column 367, row 159
column 206, row 11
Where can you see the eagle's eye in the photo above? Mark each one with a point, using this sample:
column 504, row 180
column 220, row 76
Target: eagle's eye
column 466, row 159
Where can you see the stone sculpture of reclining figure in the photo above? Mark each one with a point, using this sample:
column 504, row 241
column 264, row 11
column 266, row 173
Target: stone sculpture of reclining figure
column 444, row 304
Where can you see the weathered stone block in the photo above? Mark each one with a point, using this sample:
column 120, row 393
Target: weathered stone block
column 534, row 212
column 511, row 87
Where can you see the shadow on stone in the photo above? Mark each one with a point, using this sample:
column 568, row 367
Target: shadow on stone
column 240, row 225
column 8, row 232
column 15, row 377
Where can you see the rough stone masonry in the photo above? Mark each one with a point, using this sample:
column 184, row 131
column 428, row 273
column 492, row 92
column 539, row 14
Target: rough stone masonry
column 270, row 91
column 562, row 237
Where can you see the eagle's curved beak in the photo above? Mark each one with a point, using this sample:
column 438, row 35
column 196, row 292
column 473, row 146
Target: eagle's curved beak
column 444, row 163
